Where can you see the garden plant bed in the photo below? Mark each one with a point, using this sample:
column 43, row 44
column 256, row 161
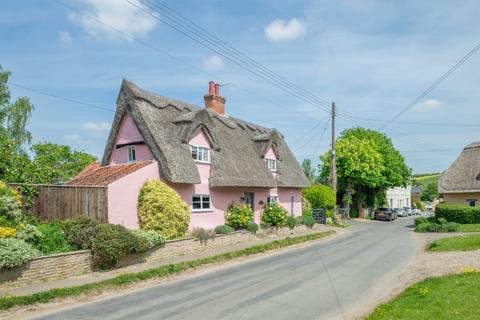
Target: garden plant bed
column 126, row 279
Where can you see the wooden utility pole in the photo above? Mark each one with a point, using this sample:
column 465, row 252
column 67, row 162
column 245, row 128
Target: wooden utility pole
column 333, row 170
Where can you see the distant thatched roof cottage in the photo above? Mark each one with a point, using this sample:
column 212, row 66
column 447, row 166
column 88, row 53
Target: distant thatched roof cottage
column 460, row 183
column 210, row 158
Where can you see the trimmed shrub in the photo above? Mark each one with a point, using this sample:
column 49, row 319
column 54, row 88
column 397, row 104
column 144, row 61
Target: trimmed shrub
column 79, row 231
column 53, row 239
column 320, row 196
column 15, row 252
column 111, row 242
column 291, row 222
column 223, row 229
column 253, row 227
column 442, row 225
column 239, row 216
column 203, row 234
column 420, row 220
column 152, row 238
column 458, row 213
column 275, row 215
column 308, row 221
column 161, row 208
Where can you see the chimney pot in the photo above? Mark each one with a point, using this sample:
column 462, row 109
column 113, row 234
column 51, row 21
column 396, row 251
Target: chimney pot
column 217, row 89
column 211, row 87
column 213, row 100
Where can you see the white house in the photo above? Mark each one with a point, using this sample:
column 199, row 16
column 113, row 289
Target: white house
column 399, row 197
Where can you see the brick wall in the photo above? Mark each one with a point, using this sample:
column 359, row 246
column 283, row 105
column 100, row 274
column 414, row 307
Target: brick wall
column 47, row 268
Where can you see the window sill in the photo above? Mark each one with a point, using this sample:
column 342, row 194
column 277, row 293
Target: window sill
column 201, row 210
column 204, row 162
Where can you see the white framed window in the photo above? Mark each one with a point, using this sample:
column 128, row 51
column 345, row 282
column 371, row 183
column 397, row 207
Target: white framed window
column 272, row 164
column 132, row 155
column 200, row 154
column 201, row 202
column 472, row 202
column 272, row 199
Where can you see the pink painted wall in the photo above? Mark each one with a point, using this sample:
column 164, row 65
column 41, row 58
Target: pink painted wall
column 129, row 133
column 123, row 194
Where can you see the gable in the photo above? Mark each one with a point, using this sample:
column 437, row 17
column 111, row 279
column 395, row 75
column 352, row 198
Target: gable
column 200, row 139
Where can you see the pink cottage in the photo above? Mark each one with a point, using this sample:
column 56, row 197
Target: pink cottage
column 208, row 157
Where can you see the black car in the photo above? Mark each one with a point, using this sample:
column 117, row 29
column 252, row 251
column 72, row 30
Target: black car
column 385, row 214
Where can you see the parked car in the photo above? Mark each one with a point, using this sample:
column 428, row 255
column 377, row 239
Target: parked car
column 409, row 211
column 428, row 206
column 400, row 212
column 418, row 211
column 385, row 214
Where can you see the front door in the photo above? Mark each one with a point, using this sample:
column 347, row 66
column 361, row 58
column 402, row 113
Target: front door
column 249, row 200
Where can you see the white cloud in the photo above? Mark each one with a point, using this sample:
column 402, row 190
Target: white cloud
column 213, row 63
column 65, row 39
column 280, row 30
column 118, row 14
column 427, row 105
column 98, row 129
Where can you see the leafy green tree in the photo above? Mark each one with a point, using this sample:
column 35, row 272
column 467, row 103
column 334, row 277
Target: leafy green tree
column 320, row 196
column 430, row 192
column 308, row 170
column 14, row 116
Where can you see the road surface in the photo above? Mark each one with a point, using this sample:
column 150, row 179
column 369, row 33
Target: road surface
column 327, row 280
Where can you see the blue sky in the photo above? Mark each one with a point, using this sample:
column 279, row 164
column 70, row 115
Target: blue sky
column 371, row 57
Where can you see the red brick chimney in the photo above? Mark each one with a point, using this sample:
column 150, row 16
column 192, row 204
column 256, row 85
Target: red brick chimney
column 213, row 100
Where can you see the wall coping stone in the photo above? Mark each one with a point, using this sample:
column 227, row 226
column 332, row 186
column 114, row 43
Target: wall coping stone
column 56, row 255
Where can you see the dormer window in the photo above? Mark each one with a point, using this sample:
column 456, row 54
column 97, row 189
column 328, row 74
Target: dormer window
column 200, row 154
column 132, row 156
column 272, row 164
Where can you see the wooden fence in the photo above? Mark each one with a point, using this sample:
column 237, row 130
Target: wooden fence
column 64, row 202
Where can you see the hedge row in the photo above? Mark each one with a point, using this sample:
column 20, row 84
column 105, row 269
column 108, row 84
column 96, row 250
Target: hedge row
column 458, row 213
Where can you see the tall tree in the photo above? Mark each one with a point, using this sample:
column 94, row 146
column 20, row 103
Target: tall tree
column 14, row 116
column 308, row 169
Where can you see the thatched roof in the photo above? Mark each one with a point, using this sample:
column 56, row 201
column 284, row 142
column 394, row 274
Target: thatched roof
column 463, row 175
column 237, row 150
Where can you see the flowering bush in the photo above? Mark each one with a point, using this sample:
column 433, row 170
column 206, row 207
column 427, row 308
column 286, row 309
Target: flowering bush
column 7, row 232
column 10, row 208
column 152, row 238
column 29, row 233
column 239, row 216
column 15, row 252
column 161, row 208
column 275, row 215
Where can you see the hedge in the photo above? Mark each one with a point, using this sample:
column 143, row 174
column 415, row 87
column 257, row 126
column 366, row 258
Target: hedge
column 458, row 213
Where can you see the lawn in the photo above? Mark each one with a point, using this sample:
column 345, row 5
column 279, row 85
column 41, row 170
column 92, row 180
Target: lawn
column 449, row 297
column 469, row 227
column 460, row 243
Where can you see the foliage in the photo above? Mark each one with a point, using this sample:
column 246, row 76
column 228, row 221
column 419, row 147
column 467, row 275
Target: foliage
column 458, row 213
column 253, row 227
column 7, row 302
column 265, row 225
column 10, row 209
column 8, row 232
column 239, row 216
column 308, row 170
column 15, row 252
column 320, row 196
column 306, row 207
column 79, row 231
column 274, row 214
column 52, row 239
column 111, row 242
column 223, row 229
column 469, row 227
column 460, row 243
column 203, row 235
column 161, row 208
column 308, row 221
column 291, row 222
column 432, row 224
column 152, row 238
column 354, row 213
column 30, row 233
column 419, row 205
column 430, row 192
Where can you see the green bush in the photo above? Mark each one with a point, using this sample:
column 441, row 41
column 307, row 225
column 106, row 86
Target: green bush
column 306, row 207
column 320, row 196
column 223, row 229
column 253, row 227
column 265, row 225
column 15, row 252
column 291, row 222
column 354, row 213
column 10, row 208
column 111, row 242
column 152, row 238
column 308, row 221
column 275, row 215
column 239, row 216
column 458, row 213
column 30, row 233
column 53, row 239
column 161, row 208
column 79, row 231
column 427, row 225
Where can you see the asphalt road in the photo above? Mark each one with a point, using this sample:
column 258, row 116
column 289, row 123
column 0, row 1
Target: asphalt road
column 328, row 280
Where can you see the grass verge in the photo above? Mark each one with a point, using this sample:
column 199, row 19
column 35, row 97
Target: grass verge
column 450, row 297
column 460, row 243
column 8, row 302
column 469, row 227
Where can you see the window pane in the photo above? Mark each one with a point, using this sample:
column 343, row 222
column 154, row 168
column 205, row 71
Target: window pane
column 206, row 202
column 194, row 152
